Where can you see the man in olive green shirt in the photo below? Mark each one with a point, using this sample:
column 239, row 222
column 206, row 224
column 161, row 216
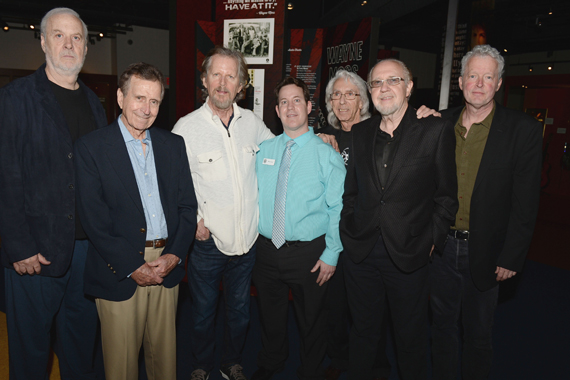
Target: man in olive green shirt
column 498, row 164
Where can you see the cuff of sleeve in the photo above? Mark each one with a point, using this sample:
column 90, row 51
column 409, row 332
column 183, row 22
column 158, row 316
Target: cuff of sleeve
column 329, row 257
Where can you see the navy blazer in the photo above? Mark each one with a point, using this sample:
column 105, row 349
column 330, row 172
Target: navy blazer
column 415, row 207
column 37, row 174
column 504, row 204
column 112, row 213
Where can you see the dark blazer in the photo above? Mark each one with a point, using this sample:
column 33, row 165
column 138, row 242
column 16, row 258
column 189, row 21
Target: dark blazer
column 37, row 174
column 112, row 213
column 419, row 200
column 505, row 197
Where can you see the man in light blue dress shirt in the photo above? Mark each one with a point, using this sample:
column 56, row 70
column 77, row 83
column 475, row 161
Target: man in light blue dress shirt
column 137, row 202
column 298, row 246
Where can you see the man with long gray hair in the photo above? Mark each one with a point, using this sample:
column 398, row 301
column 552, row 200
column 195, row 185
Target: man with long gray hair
column 43, row 243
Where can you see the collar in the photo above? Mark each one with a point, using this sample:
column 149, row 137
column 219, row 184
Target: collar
column 236, row 111
column 486, row 123
column 301, row 140
column 127, row 135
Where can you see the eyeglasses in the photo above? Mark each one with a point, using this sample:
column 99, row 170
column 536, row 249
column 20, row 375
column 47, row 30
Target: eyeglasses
column 394, row 81
column 347, row 95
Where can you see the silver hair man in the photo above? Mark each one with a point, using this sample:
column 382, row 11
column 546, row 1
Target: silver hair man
column 362, row 89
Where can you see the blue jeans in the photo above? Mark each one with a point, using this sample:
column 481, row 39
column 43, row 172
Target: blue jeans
column 207, row 267
column 453, row 296
column 33, row 304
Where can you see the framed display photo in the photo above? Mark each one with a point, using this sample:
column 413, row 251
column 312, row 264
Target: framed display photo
column 253, row 37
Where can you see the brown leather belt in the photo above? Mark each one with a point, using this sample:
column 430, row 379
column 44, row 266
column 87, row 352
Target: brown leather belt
column 157, row 243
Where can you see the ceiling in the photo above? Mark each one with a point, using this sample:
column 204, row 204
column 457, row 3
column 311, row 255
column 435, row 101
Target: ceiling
column 520, row 26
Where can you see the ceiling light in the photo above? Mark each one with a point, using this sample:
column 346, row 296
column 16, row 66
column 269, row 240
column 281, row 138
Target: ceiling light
column 290, row 6
column 5, row 26
column 101, row 35
column 505, row 50
column 530, row 68
column 32, row 26
column 549, row 68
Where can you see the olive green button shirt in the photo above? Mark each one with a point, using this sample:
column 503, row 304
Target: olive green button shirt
column 468, row 153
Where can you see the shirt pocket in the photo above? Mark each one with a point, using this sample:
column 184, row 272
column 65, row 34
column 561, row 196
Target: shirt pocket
column 211, row 166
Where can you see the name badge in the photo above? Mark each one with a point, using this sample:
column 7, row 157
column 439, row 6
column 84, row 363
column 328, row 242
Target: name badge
column 268, row 161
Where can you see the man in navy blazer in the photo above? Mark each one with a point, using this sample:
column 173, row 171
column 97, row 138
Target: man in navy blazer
column 43, row 244
column 498, row 157
column 138, row 205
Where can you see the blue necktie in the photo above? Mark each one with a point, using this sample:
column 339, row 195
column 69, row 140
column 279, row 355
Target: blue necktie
column 278, row 235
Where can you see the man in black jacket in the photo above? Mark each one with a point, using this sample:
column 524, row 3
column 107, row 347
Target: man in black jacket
column 498, row 170
column 43, row 243
column 399, row 201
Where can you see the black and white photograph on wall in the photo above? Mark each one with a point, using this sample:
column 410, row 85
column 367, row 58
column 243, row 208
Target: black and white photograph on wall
column 252, row 37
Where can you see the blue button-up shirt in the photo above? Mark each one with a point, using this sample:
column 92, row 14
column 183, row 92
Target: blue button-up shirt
column 314, row 191
column 147, row 182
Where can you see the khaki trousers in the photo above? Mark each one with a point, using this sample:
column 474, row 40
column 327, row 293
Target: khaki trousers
column 148, row 318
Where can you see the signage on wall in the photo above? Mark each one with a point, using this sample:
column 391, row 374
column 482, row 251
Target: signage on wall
column 303, row 61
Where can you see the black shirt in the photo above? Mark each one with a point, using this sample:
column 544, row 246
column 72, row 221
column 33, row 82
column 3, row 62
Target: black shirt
column 343, row 138
column 80, row 120
column 384, row 151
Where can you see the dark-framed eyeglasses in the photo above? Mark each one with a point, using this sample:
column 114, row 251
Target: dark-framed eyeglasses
column 347, row 95
column 394, row 81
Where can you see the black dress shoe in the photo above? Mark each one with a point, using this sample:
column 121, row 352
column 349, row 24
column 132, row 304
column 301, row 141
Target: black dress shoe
column 263, row 374
column 332, row 373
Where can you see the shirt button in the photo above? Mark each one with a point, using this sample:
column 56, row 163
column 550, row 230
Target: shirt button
column 70, row 155
column 141, row 253
column 71, row 186
column 210, row 160
column 69, row 216
column 142, row 230
column 385, row 165
column 382, row 203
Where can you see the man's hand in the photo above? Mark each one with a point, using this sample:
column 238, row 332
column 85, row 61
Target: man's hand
column 202, row 233
column 31, row 265
column 164, row 264
column 329, row 139
column 146, row 276
column 326, row 271
column 423, row 111
column 504, row 274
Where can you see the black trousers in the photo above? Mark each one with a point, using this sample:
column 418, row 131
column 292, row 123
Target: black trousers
column 368, row 284
column 338, row 321
column 455, row 299
column 276, row 271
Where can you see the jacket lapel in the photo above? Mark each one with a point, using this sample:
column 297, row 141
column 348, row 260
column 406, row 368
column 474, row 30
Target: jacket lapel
column 121, row 162
column 369, row 146
column 162, row 164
